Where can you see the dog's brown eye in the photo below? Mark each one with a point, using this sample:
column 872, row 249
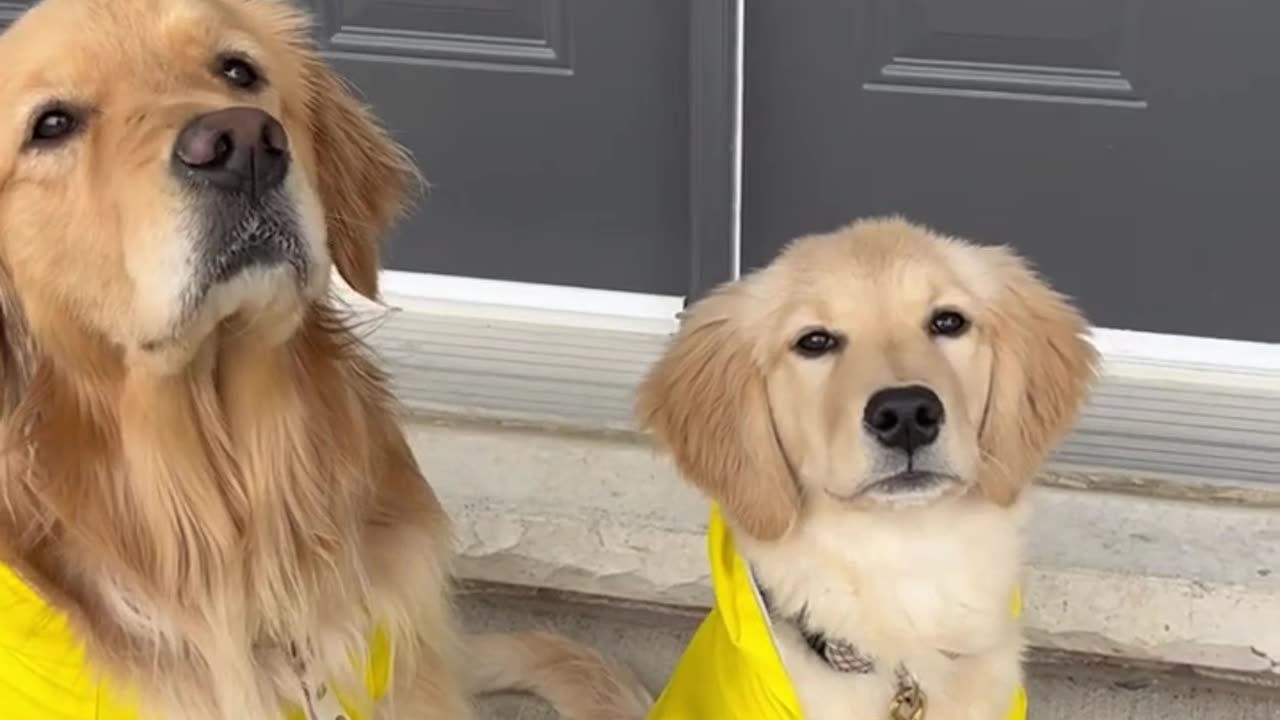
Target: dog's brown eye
column 815, row 343
column 53, row 125
column 948, row 323
column 240, row 73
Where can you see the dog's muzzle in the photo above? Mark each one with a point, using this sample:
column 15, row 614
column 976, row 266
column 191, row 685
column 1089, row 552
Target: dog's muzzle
column 233, row 163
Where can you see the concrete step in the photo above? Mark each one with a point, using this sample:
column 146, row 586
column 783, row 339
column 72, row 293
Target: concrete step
column 1136, row 579
column 650, row 640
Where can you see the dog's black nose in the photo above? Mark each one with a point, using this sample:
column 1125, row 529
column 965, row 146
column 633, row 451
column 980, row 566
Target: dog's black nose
column 906, row 418
column 239, row 149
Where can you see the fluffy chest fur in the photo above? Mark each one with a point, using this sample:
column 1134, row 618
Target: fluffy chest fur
column 926, row 588
column 203, row 525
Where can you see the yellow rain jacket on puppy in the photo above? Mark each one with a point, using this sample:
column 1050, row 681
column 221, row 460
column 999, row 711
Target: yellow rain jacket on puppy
column 44, row 675
column 731, row 669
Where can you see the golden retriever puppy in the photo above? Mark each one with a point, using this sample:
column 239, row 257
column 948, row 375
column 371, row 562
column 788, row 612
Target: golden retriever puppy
column 866, row 413
column 207, row 508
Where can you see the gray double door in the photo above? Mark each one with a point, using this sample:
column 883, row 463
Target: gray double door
column 1131, row 148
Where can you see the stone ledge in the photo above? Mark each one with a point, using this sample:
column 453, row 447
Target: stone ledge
column 1151, row 581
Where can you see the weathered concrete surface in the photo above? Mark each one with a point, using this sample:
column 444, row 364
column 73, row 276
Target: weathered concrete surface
column 650, row 643
column 1113, row 575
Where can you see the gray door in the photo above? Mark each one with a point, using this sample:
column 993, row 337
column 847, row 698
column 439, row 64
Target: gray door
column 556, row 133
column 1130, row 147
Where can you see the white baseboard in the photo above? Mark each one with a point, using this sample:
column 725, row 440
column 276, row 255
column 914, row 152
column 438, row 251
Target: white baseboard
column 533, row 296
column 1219, row 361
column 1174, row 406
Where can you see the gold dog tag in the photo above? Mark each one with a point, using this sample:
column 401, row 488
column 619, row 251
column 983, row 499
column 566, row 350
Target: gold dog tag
column 908, row 703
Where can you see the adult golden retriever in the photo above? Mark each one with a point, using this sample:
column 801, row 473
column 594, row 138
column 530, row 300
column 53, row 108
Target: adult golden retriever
column 867, row 412
column 203, row 474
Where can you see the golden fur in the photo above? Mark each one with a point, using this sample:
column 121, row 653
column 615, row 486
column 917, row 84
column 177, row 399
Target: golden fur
column 199, row 486
column 779, row 441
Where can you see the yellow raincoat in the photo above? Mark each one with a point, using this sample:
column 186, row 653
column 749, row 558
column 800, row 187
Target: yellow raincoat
column 44, row 675
column 731, row 669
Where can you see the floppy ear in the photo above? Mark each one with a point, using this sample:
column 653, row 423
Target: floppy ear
column 1043, row 370
column 705, row 401
column 363, row 176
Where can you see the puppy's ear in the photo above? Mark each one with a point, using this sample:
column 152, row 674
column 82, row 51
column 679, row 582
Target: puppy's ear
column 1043, row 370
column 363, row 176
column 706, row 402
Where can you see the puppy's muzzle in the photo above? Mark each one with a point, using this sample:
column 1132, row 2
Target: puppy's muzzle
column 904, row 418
column 239, row 150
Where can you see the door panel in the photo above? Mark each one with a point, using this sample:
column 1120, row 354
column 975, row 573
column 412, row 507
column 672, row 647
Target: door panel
column 555, row 133
column 507, row 34
column 1126, row 146
column 1082, row 51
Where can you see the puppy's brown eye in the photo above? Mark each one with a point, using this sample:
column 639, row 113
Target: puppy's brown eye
column 815, row 343
column 948, row 323
column 53, row 125
column 239, row 73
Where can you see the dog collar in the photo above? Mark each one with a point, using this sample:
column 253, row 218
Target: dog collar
column 842, row 656
column 839, row 655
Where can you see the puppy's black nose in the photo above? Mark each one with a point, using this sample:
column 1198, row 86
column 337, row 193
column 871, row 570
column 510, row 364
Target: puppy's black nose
column 239, row 149
column 906, row 417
